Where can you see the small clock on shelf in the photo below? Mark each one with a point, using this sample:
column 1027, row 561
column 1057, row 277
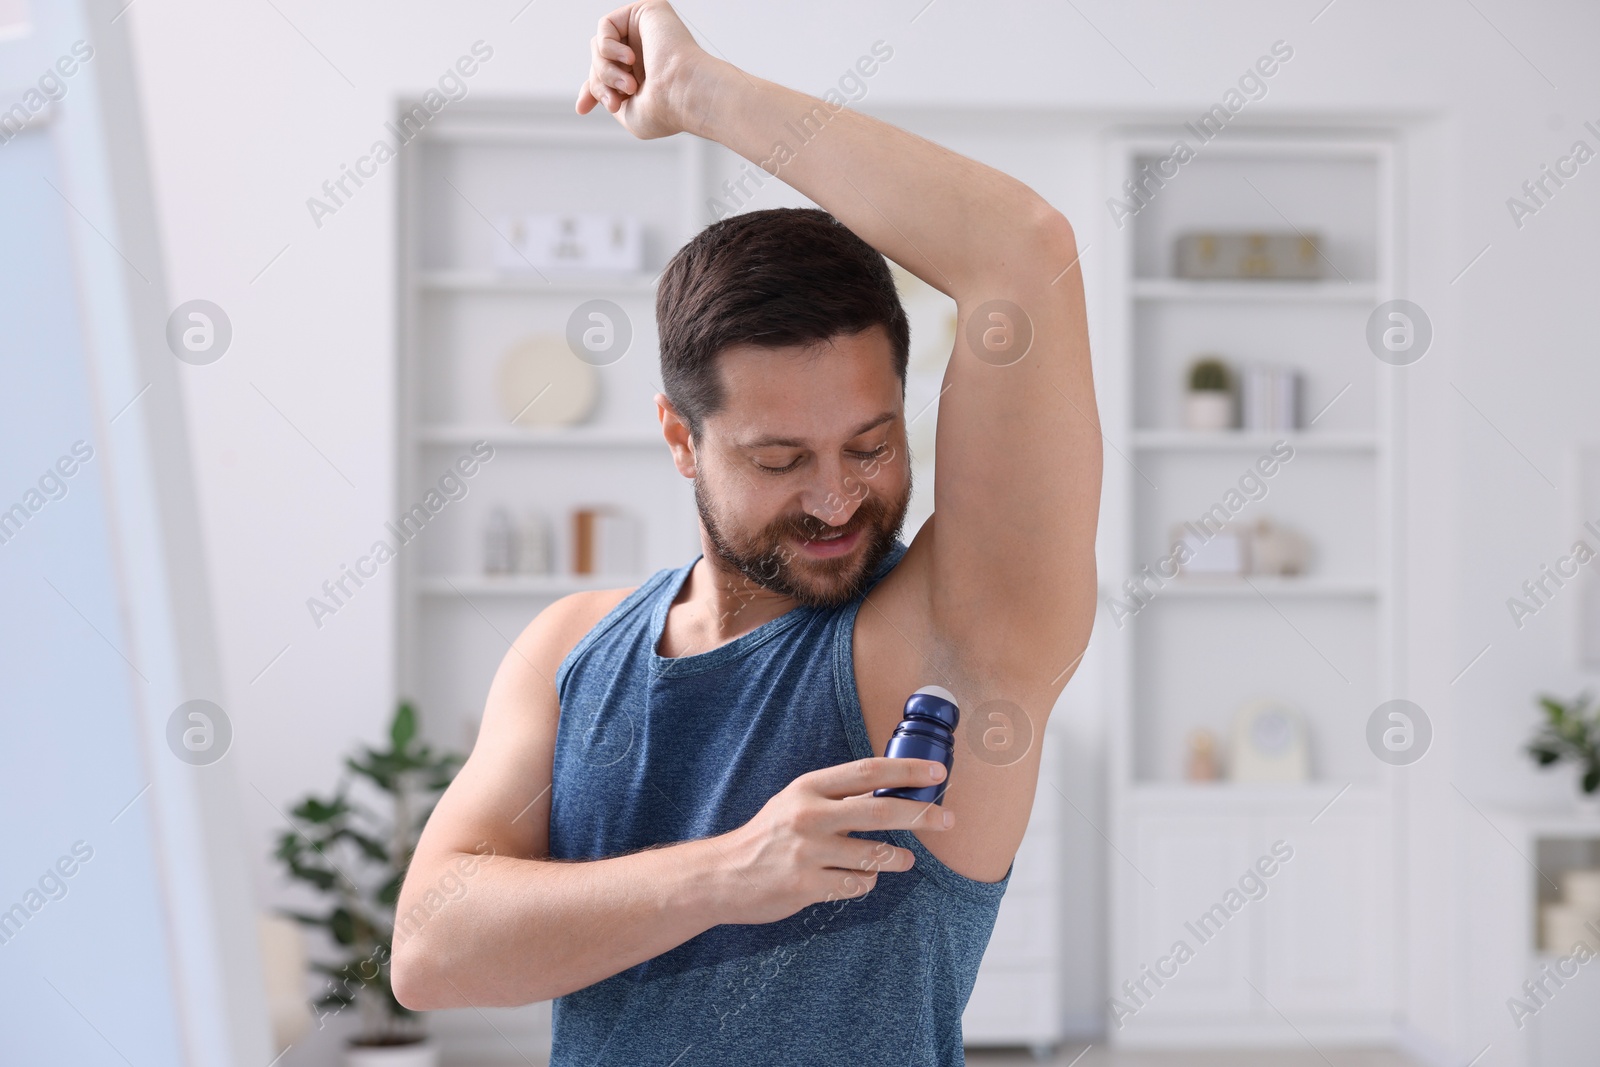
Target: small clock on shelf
column 1269, row 744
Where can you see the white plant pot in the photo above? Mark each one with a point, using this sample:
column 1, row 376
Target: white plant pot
column 422, row 1054
column 1208, row 409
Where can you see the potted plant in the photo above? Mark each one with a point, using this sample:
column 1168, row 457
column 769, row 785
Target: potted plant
column 1209, row 405
column 357, row 857
column 1571, row 732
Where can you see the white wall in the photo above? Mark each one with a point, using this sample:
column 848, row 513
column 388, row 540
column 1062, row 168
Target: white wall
column 248, row 115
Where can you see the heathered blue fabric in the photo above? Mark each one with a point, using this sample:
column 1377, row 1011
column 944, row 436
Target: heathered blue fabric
column 654, row 750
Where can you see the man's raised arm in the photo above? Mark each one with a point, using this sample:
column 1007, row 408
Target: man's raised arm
column 1010, row 568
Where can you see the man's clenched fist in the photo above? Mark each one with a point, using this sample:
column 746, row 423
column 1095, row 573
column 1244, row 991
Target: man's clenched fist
column 643, row 66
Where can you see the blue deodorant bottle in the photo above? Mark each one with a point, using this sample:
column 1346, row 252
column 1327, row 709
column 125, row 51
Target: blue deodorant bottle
column 927, row 730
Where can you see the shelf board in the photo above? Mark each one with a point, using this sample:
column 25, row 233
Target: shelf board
column 542, row 437
column 1274, row 797
column 1264, row 290
column 522, row 585
column 1270, row 587
column 559, row 284
column 1230, row 440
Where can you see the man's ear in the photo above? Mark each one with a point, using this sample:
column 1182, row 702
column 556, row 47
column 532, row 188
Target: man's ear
column 676, row 432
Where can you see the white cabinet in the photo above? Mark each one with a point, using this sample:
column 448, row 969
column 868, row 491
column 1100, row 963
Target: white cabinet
column 1325, row 939
column 1249, row 920
column 1184, row 864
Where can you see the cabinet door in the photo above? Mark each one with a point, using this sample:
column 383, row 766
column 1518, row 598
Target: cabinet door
column 1326, row 937
column 1014, row 1006
column 1186, row 864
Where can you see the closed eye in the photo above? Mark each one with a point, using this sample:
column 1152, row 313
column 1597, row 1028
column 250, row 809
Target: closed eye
column 874, row 454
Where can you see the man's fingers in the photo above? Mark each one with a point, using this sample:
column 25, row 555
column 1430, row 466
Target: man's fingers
column 891, row 813
column 868, row 856
column 603, row 93
column 605, row 61
column 614, row 50
column 615, row 77
column 878, row 772
column 615, row 25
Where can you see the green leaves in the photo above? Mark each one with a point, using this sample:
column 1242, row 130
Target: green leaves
column 316, row 811
column 1570, row 732
column 356, row 856
column 404, row 727
column 340, row 923
column 408, row 763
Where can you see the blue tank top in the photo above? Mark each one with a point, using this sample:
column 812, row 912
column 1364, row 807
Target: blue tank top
column 654, row 750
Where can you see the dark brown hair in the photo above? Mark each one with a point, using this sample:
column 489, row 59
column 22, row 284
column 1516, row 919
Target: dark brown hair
column 783, row 276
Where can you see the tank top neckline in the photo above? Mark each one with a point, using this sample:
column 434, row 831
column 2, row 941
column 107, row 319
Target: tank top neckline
column 694, row 663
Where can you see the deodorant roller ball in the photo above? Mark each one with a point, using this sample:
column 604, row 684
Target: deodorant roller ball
column 927, row 730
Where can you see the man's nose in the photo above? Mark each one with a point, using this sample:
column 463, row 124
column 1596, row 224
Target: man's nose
column 835, row 493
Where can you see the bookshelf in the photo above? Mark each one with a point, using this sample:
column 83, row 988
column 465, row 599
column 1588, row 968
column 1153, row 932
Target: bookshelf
column 475, row 165
column 1317, row 948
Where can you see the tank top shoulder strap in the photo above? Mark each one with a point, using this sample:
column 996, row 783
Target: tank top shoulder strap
column 636, row 604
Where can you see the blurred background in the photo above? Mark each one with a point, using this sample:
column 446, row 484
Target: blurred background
column 326, row 361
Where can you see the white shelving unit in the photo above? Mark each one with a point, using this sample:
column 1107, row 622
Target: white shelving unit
column 1515, row 859
column 474, row 164
column 1316, row 950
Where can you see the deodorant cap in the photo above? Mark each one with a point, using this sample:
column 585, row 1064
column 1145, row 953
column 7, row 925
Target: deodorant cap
column 935, row 702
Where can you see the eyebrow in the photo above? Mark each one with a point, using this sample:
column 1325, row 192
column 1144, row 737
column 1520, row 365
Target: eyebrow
column 791, row 442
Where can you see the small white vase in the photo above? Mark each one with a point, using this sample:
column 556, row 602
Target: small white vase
column 1208, row 409
column 424, row 1053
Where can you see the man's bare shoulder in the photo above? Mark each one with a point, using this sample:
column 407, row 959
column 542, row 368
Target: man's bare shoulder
column 557, row 629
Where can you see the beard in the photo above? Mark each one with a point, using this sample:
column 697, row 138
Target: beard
column 767, row 558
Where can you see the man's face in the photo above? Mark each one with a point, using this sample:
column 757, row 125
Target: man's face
column 803, row 479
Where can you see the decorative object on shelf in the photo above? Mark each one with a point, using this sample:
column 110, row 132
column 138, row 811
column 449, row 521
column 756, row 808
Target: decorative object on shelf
column 605, row 540
column 1277, row 550
column 1270, row 398
column 533, row 544
column 1575, row 918
column 1245, row 254
column 1202, row 762
column 1581, row 888
column 541, row 383
column 283, row 959
column 1269, row 745
column 1240, row 548
column 1571, row 733
column 1225, row 554
column 580, row 242
column 1209, row 403
column 499, row 543
column 344, row 849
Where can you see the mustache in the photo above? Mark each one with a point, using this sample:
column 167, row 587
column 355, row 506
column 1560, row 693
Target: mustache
column 867, row 514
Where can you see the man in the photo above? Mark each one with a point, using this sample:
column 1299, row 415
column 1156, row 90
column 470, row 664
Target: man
column 668, row 822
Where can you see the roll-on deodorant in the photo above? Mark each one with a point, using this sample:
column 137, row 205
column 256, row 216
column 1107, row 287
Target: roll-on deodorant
column 927, row 730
